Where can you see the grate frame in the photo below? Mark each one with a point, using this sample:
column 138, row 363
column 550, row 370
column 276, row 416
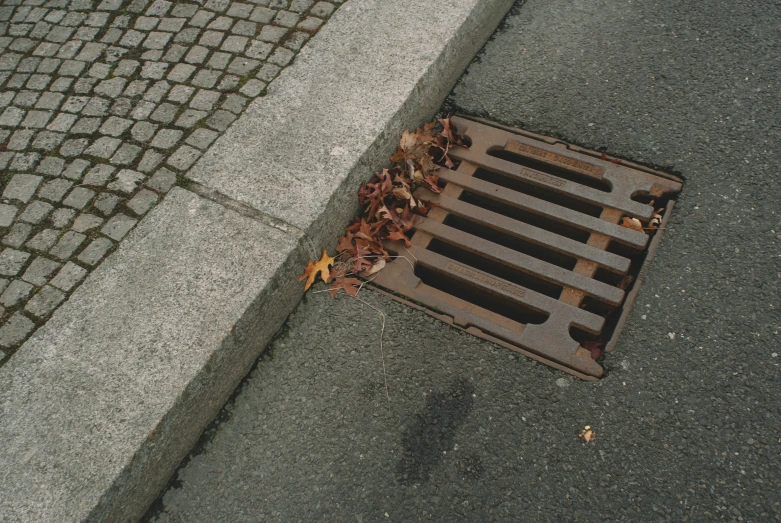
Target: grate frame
column 546, row 172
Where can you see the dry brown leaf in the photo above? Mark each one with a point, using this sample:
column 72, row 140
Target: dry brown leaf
column 350, row 286
column 390, row 206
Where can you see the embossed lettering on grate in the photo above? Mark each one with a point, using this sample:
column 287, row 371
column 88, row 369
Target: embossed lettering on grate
column 524, row 246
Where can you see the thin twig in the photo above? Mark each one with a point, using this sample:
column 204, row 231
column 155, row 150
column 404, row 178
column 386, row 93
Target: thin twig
column 382, row 256
column 382, row 352
column 382, row 331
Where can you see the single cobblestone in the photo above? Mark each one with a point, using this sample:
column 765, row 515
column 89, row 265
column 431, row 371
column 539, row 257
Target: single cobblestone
column 36, row 212
column 39, row 271
column 7, row 214
column 95, row 251
column 166, row 138
column 22, row 187
column 116, row 228
column 142, row 201
column 68, row 277
column 11, row 261
column 45, row 301
column 202, row 138
column 44, row 240
column 115, row 126
column 17, row 291
column 162, row 180
column 75, row 169
column 79, row 197
column 86, row 222
column 62, row 217
column 100, row 103
column 103, row 147
column 68, row 243
column 106, row 202
column 15, row 330
column 126, row 181
column 184, row 157
column 99, row 175
column 18, row 234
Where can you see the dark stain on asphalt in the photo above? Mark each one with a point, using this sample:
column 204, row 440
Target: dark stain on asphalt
column 433, row 431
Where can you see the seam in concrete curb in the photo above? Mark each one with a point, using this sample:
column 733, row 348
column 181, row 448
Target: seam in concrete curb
column 250, row 212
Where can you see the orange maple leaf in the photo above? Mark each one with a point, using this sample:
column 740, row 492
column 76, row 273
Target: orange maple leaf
column 320, row 267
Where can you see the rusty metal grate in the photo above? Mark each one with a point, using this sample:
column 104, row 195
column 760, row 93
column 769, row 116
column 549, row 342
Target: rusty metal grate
column 524, row 247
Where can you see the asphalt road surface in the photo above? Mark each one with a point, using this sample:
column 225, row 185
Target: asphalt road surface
column 687, row 420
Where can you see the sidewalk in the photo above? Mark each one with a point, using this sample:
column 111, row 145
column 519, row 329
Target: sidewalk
column 687, row 418
column 102, row 105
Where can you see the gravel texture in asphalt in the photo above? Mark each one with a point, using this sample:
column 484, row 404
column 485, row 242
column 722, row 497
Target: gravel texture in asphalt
column 687, row 420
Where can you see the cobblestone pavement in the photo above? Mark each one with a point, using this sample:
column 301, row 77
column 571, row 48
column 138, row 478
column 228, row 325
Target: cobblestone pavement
column 103, row 105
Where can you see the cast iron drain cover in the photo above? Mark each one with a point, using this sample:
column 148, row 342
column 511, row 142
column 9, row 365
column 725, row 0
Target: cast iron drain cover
column 524, row 246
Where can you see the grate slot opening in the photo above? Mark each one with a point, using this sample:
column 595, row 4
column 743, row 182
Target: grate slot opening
column 491, row 302
column 540, row 193
column 597, row 307
column 495, row 268
column 582, row 336
column 611, row 278
column 626, row 251
column 542, row 222
column 611, row 315
column 661, row 202
column 511, row 242
column 576, row 177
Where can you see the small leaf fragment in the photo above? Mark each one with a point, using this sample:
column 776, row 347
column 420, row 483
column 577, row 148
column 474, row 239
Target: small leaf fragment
column 656, row 219
column 375, row 268
column 587, row 434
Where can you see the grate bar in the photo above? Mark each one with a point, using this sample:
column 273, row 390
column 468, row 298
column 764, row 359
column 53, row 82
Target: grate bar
column 624, row 182
column 547, row 209
column 555, row 242
column 558, row 185
column 517, row 293
column 522, row 262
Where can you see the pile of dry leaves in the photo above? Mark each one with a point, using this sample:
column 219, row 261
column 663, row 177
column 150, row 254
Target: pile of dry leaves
column 389, row 210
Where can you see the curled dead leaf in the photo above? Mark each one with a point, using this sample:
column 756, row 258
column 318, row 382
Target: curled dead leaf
column 402, row 192
column 631, row 223
column 375, row 268
column 656, row 219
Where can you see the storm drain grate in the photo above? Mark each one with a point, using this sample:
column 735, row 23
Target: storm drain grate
column 524, row 245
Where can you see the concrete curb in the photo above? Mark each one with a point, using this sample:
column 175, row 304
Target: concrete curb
column 100, row 405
